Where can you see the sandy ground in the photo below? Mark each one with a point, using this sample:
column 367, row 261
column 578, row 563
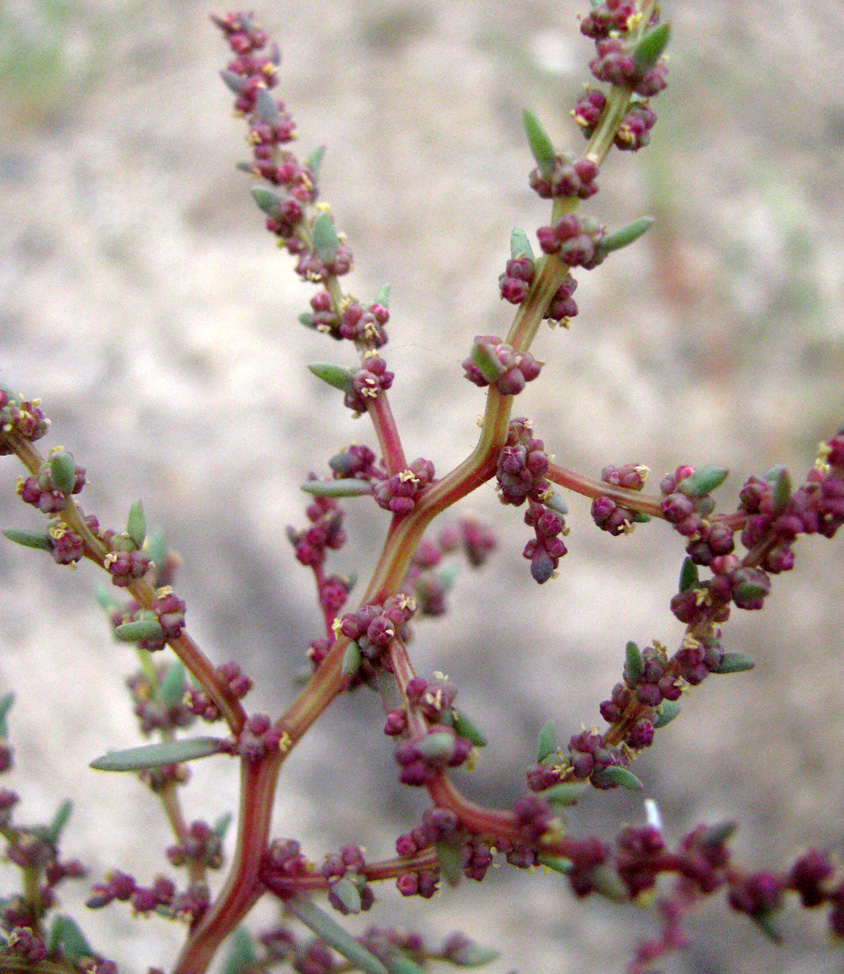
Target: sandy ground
column 142, row 302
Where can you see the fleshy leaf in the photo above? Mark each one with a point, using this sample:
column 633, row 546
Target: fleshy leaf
column 557, row 863
column 171, row 690
column 520, row 245
column 54, row 829
column 241, row 957
column 324, row 239
column 347, row 487
column 62, row 471
column 450, row 860
column 67, row 938
column 635, row 665
column 488, row 365
column 221, row 826
column 541, row 146
column 436, row 745
column 625, row 235
column 6, row 702
column 351, row 659
column 268, row 201
column 689, row 577
column 471, row 954
column 703, row 481
column 735, row 663
column 464, row 727
column 136, row 524
column 156, row 755
column 649, row 49
column 547, row 743
column 329, row 931
column 266, row 107
column 382, row 296
column 616, row 775
column 566, row 792
column 140, row 629
column 335, row 375
column 781, row 481
column 668, row 710
column 347, row 893
column 29, row 539
column 314, row 160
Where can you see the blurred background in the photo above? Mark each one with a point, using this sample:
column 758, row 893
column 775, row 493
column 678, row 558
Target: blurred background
column 143, row 302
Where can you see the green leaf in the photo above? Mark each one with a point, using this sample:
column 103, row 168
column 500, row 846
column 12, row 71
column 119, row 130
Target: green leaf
column 464, row 727
column 735, row 663
column 616, row 775
column 541, row 147
column 557, row 863
column 625, row 236
column 566, row 792
column 689, row 577
column 717, row 834
column 650, row 48
column 314, row 160
column 767, row 923
column 435, row 746
column 781, row 481
column 29, row 539
column 520, row 245
column 54, row 829
column 6, row 702
column 62, row 471
column 450, row 860
column 335, row 375
column 156, row 755
column 347, row 487
column 470, row 954
column 666, row 712
column 241, row 957
column 703, row 481
column 66, row 937
column 608, row 883
column 221, row 826
column 105, row 597
column 266, row 107
column 488, row 365
column 171, row 690
column 140, row 629
column 157, row 547
column 234, row 82
column 324, row 239
column 382, row 296
column 347, row 893
column 320, row 923
column 556, row 503
column 267, row 200
column 547, row 743
column 641, row 518
column 351, row 659
column 399, row 963
column 136, row 524
column 634, row 664
column 306, row 319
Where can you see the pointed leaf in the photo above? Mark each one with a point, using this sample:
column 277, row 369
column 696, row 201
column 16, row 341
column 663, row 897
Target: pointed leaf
column 464, row 727
column 382, row 296
column 347, row 487
column 520, row 245
column 541, row 147
column 626, row 235
column 689, row 577
column 484, row 358
column 267, row 200
column 767, row 923
column 105, row 598
column 29, row 539
column 54, row 829
column 450, row 860
column 703, row 481
column 6, row 702
column 470, row 954
column 320, row 923
column 324, row 239
column 156, row 755
column 556, row 503
column 314, row 160
column 547, row 743
column 266, row 107
column 347, row 893
column 62, row 471
column 616, row 775
column 66, row 937
column 136, row 524
column 335, row 375
column 234, row 82
column 157, row 547
column 438, row 745
column 608, row 883
column 399, row 963
column 649, row 49
column 171, row 690
column 781, row 480
column 221, row 826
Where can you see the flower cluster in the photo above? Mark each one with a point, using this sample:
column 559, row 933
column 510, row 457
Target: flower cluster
column 575, row 240
column 400, row 492
column 201, row 705
column 356, row 323
column 610, row 516
column 493, row 362
column 259, row 738
column 566, row 176
column 545, row 550
column 522, row 465
column 22, row 417
column 373, row 627
column 368, row 382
